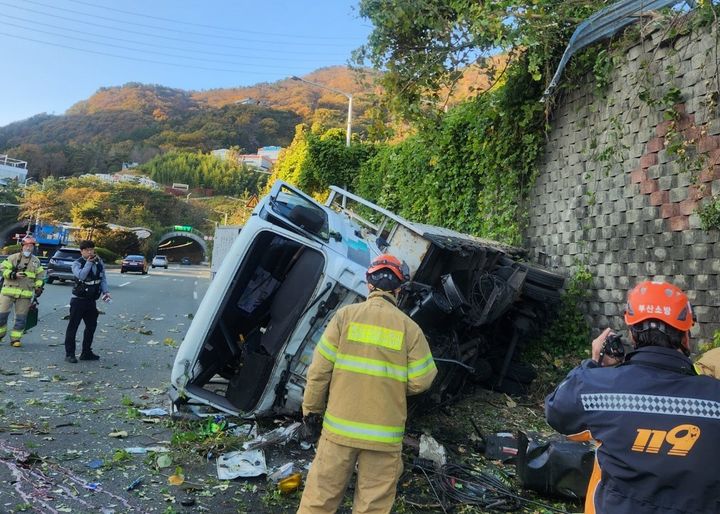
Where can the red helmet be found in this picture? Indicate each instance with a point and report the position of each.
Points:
(28, 240)
(392, 263)
(661, 301)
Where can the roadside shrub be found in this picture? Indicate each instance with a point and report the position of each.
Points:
(106, 255)
(566, 341)
(10, 249)
(120, 242)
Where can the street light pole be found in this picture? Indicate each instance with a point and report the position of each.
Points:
(349, 96)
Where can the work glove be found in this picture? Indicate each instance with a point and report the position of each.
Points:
(38, 292)
(13, 275)
(311, 428)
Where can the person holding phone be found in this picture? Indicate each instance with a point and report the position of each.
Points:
(23, 278)
(90, 285)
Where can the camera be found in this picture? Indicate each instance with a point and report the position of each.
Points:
(613, 347)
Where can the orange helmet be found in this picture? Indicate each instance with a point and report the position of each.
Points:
(660, 301)
(28, 240)
(392, 263)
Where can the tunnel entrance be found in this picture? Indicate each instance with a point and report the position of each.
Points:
(177, 245)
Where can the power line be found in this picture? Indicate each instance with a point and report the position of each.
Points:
(164, 54)
(155, 45)
(136, 59)
(146, 34)
(157, 27)
(214, 27)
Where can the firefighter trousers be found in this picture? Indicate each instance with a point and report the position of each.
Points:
(22, 306)
(377, 476)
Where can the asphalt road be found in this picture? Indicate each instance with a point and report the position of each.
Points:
(64, 413)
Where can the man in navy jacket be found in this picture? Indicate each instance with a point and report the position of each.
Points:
(657, 423)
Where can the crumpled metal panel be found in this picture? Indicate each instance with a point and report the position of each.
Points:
(603, 24)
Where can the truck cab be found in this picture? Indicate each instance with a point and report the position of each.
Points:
(296, 261)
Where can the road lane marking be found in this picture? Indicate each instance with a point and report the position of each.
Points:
(124, 284)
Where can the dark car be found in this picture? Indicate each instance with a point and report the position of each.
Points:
(60, 265)
(185, 260)
(134, 263)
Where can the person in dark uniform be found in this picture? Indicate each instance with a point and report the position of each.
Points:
(657, 423)
(90, 285)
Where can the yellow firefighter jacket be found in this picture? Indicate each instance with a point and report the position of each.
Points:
(370, 358)
(22, 287)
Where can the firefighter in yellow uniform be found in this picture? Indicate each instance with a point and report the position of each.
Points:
(369, 359)
(23, 277)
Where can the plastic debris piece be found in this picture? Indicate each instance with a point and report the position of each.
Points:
(135, 483)
(142, 450)
(430, 449)
(280, 435)
(176, 479)
(156, 411)
(163, 461)
(95, 464)
(119, 434)
(93, 486)
(241, 464)
(283, 471)
(290, 484)
(246, 430)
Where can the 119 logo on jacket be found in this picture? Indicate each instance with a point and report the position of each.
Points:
(681, 438)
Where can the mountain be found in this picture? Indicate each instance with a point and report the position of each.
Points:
(135, 122)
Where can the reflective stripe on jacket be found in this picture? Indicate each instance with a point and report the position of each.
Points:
(22, 287)
(370, 358)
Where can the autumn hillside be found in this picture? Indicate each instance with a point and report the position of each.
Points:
(135, 122)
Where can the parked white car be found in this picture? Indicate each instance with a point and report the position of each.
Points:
(160, 261)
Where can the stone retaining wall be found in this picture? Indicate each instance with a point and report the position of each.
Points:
(612, 196)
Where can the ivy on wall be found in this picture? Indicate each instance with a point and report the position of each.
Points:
(471, 171)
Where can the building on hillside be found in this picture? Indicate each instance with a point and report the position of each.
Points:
(258, 162)
(262, 161)
(12, 169)
(271, 152)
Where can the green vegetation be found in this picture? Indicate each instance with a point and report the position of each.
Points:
(90, 203)
(567, 339)
(205, 171)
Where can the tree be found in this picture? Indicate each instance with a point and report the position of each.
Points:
(91, 216)
(427, 45)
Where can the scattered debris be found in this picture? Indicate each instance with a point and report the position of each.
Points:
(157, 411)
(142, 450)
(241, 464)
(283, 471)
(433, 451)
(290, 484)
(119, 434)
(280, 435)
(92, 486)
(95, 464)
(556, 466)
(164, 461)
(176, 479)
(135, 484)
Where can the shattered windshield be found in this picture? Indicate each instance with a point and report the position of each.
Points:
(301, 212)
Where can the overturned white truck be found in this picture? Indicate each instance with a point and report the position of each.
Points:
(297, 261)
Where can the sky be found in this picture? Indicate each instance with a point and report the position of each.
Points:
(58, 52)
